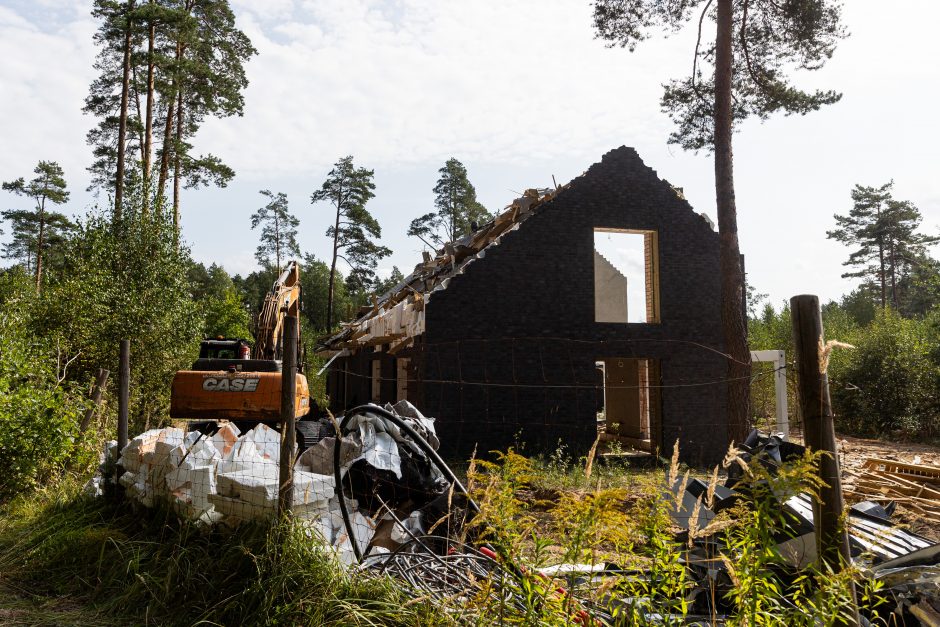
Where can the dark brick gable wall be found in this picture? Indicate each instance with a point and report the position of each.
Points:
(517, 328)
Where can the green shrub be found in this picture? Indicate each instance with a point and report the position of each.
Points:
(889, 382)
(131, 282)
(38, 412)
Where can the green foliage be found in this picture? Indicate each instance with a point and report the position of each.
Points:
(889, 383)
(315, 278)
(126, 281)
(256, 285)
(223, 304)
(456, 208)
(888, 250)
(769, 40)
(354, 231)
(278, 231)
(39, 414)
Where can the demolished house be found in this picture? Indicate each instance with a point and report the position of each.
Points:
(526, 330)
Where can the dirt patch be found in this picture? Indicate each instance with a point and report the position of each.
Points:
(854, 451)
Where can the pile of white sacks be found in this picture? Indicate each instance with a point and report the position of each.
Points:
(230, 477)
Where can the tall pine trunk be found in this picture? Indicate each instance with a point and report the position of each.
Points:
(881, 261)
(122, 119)
(176, 163)
(168, 128)
(40, 241)
(148, 129)
(329, 297)
(732, 275)
(894, 277)
(277, 243)
(165, 153)
(140, 115)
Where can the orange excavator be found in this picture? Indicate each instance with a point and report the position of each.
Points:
(242, 384)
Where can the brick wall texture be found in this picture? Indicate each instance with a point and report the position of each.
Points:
(517, 328)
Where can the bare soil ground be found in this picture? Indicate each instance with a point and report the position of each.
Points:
(854, 451)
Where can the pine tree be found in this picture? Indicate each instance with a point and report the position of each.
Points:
(109, 98)
(207, 80)
(348, 189)
(456, 208)
(756, 42)
(40, 228)
(163, 64)
(278, 231)
(887, 245)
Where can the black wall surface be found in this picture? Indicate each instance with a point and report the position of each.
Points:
(509, 351)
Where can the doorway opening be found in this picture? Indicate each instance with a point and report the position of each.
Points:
(631, 414)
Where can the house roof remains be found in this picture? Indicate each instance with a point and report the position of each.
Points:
(397, 317)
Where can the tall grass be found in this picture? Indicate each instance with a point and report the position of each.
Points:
(127, 568)
(150, 568)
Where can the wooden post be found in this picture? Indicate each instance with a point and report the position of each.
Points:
(124, 393)
(288, 399)
(101, 380)
(832, 541)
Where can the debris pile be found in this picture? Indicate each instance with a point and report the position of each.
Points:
(914, 486)
(397, 318)
(907, 564)
(392, 484)
(227, 477)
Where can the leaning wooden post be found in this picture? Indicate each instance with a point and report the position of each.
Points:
(288, 409)
(832, 541)
(124, 393)
(101, 380)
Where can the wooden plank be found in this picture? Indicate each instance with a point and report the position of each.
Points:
(903, 485)
(913, 471)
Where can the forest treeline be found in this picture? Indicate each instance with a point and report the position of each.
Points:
(889, 383)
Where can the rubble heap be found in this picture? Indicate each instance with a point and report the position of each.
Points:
(228, 477)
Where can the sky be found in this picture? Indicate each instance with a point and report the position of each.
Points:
(520, 92)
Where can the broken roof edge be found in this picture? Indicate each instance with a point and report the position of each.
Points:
(433, 275)
(452, 259)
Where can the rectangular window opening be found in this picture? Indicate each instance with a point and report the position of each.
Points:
(626, 276)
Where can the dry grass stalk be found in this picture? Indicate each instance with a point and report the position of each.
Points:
(589, 464)
(710, 495)
(674, 465)
(730, 569)
(715, 526)
(693, 519)
(680, 489)
(733, 456)
(825, 350)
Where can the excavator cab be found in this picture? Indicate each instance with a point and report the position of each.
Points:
(225, 348)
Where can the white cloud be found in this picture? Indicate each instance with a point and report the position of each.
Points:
(44, 78)
(415, 81)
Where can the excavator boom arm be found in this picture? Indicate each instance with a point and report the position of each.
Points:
(282, 300)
